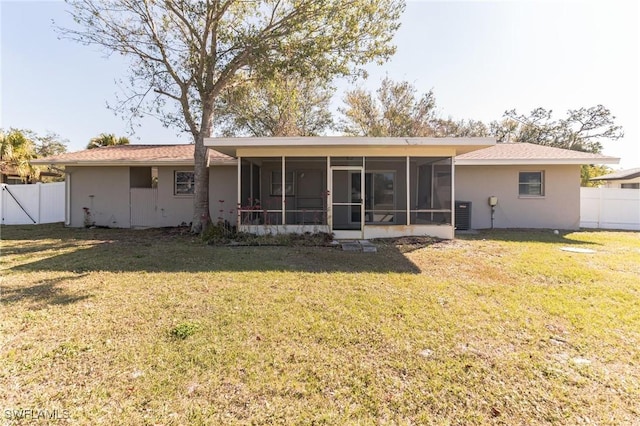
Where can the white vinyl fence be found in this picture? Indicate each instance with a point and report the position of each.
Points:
(31, 204)
(610, 208)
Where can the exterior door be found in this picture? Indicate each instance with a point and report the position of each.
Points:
(347, 202)
(144, 206)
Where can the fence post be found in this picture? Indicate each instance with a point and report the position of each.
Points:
(2, 203)
(39, 186)
(600, 202)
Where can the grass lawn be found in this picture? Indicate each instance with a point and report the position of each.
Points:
(153, 327)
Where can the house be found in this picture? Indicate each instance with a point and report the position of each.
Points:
(11, 176)
(354, 187)
(127, 186)
(625, 179)
(536, 186)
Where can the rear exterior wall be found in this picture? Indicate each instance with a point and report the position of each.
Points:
(174, 210)
(171, 209)
(105, 192)
(559, 208)
(223, 193)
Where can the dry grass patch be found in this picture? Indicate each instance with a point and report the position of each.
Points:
(152, 327)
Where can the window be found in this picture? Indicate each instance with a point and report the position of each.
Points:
(531, 184)
(184, 183)
(276, 183)
(630, 185)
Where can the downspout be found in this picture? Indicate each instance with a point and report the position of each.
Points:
(67, 194)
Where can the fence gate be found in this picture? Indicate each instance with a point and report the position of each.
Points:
(144, 207)
(32, 204)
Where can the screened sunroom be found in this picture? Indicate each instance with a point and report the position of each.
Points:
(351, 187)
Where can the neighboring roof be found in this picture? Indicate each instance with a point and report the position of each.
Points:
(527, 153)
(132, 155)
(621, 175)
(8, 170)
(230, 145)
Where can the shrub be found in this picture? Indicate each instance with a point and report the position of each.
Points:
(218, 233)
(217, 236)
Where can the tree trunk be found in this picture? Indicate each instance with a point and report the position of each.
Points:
(201, 217)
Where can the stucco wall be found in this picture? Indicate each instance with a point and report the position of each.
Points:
(223, 186)
(559, 208)
(104, 191)
(618, 183)
(172, 210)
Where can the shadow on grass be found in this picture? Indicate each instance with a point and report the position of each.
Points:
(34, 247)
(524, 235)
(175, 250)
(44, 293)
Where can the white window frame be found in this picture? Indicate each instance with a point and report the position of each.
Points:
(191, 183)
(542, 184)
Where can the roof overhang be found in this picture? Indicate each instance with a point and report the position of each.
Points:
(230, 146)
(532, 161)
(630, 176)
(112, 163)
(133, 163)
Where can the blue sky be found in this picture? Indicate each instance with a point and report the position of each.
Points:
(480, 58)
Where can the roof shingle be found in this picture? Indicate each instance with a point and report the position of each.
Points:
(620, 175)
(119, 154)
(519, 153)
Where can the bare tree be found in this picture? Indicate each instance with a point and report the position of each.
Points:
(282, 105)
(582, 129)
(185, 52)
(395, 110)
